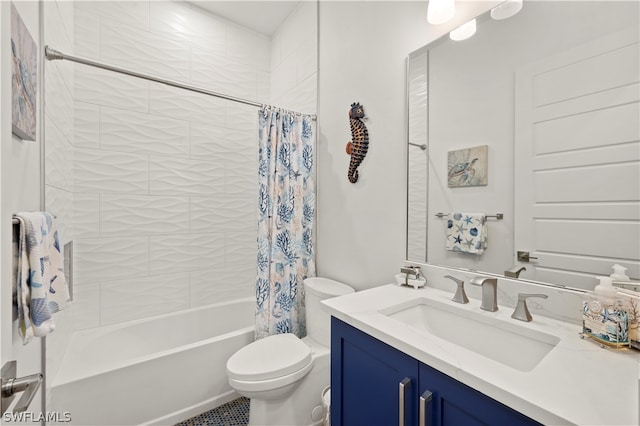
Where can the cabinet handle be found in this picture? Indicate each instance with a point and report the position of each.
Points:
(404, 385)
(425, 398)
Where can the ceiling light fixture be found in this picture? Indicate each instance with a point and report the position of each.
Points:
(506, 10)
(464, 31)
(440, 11)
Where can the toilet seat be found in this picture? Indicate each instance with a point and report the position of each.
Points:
(275, 358)
(269, 384)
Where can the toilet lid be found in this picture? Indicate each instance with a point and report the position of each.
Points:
(268, 358)
(326, 288)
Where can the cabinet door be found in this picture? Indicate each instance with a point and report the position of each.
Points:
(456, 404)
(365, 380)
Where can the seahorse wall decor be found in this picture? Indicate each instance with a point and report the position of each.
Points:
(359, 144)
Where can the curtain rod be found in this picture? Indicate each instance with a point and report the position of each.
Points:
(52, 55)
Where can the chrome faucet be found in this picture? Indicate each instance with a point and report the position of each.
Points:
(489, 292)
(514, 271)
(522, 312)
(460, 296)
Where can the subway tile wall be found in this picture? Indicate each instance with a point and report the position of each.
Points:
(165, 179)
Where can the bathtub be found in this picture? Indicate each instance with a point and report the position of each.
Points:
(156, 371)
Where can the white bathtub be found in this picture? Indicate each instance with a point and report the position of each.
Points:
(159, 370)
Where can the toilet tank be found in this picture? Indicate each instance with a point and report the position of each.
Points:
(318, 320)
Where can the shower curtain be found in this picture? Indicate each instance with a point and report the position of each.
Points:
(286, 210)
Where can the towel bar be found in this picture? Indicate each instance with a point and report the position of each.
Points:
(498, 216)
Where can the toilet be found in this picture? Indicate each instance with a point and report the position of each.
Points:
(283, 375)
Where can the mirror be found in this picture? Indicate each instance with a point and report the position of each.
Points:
(553, 93)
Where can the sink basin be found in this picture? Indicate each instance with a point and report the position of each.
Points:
(506, 342)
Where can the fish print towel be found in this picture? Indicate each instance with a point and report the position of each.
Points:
(467, 232)
(41, 286)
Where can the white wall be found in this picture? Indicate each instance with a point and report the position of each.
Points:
(164, 178)
(361, 226)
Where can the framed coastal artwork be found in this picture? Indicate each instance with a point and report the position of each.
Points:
(24, 79)
(467, 167)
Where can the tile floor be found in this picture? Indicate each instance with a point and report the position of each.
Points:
(233, 413)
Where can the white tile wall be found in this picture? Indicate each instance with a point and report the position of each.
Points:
(165, 179)
(126, 131)
(129, 299)
(106, 88)
(294, 60)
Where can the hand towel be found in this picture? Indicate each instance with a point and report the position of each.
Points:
(41, 285)
(467, 232)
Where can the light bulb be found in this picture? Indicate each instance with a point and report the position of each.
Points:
(506, 10)
(440, 11)
(464, 31)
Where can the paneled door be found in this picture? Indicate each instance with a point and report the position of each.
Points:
(577, 162)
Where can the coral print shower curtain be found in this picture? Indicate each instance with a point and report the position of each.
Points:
(285, 221)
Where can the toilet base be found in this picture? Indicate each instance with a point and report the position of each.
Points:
(296, 408)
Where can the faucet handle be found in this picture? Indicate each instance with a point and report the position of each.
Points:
(522, 311)
(460, 296)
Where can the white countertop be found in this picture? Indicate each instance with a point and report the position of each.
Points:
(578, 382)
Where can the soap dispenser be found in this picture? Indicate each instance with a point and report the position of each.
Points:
(604, 318)
(619, 273)
(605, 291)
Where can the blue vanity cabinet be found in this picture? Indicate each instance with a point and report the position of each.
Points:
(455, 404)
(366, 388)
(366, 377)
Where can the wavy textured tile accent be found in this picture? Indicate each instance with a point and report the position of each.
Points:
(219, 143)
(86, 30)
(224, 75)
(307, 59)
(239, 182)
(60, 203)
(302, 97)
(143, 215)
(417, 183)
(86, 125)
(263, 90)
(56, 32)
(223, 214)
(143, 133)
(111, 89)
(184, 105)
(58, 100)
(186, 252)
(143, 51)
(248, 47)
(98, 171)
(178, 20)
(58, 158)
(242, 248)
(86, 215)
(110, 258)
(417, 223)
(221, 284)
(185, 177)
(135, 13)
(244, 117)
(126, 300)
(86, 306)
(283, 76)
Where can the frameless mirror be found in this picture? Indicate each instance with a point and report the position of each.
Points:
(553, 93)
